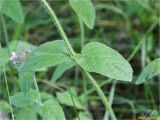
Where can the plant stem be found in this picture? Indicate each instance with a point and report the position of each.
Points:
(74, 103)
(58, 25)
(83, 77)
(5, 33)
(101, 94)
(37, 89)
(138, 46)
(111, 96)
(5, 77)
(92, 80)
(82, 32)
(101, 84)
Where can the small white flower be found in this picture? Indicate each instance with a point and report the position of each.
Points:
(13, 56)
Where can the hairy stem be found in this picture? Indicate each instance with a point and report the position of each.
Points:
(58, 25)
(90, 78)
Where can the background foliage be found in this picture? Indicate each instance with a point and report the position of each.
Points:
(130, 27)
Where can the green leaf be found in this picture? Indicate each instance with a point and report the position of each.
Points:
(85, 10)
(24, 100)
(18, 46)
(4, 107)
(97, 57)
(61, 69)
(26, 114)
(13, 9)
(145, 4)
(154, 113)
(65, 98)
(26, 79)
(51, 110)
(151, 70)
(46, 55)
(4, 110)
(3, 57)
(1, 2)
(84, 116)
(46, 96)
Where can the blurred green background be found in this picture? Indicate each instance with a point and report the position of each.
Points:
(125, 25)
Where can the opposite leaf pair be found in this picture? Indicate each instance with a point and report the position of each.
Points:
(95, 57)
